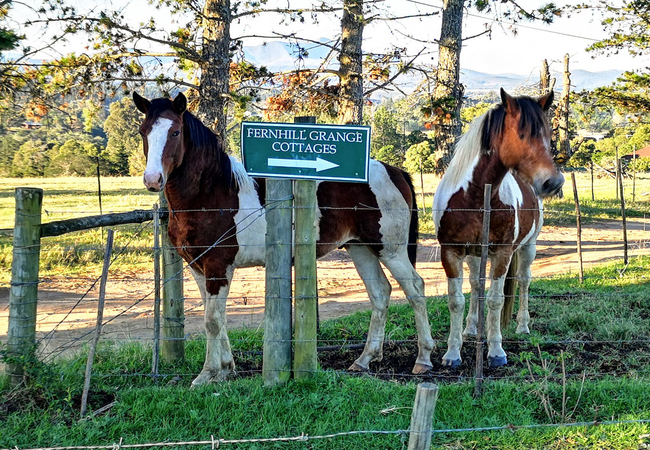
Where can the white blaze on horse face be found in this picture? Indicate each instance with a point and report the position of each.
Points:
(154, 174)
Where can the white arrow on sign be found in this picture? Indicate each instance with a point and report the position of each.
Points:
(320, 164)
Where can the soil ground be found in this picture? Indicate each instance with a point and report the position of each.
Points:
(65, 315)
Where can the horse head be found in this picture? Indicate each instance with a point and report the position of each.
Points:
(162, 136)
(521, 135)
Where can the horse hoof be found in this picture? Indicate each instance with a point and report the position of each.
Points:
(419, 368)
(454, 363)
(209, 377)
(357, 368)
(522, 330)
(470, 332)
(497, 361)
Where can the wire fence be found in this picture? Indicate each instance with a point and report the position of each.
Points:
(67, 302)
(216, 442)
(67, 308)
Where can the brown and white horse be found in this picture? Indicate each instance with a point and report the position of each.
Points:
(508, 147)
(217, 224)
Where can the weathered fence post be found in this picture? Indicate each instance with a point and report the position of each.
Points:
(620, 186)
(156, 288)
(578, 225)
(173, 300)
(98, 323)
(424, 407)
(23, 295)
(305, 361)
(276, 359)
(478, 377)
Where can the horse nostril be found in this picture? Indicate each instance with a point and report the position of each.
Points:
(152, 189)
(552, 185)
(160, 180)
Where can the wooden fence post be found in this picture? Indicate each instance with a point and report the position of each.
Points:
(276, 359)
(478, 377)
(424, 407)
(305, 361)
(578, 226)
(156, 301)
(23, 295)
(623, 215)
(98, 323)
(173, 300)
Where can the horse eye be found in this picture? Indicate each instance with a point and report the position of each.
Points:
(522, 136)
(176, 133)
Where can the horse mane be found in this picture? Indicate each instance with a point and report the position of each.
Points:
(466, 154)
(205, 141)
(532, 122)
(484, 134)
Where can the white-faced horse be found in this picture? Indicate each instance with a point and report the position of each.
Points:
(215, 206)
(509, 148)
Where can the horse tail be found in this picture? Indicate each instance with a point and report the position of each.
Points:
(414, 225)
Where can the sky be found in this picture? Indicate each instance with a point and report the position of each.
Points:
(500, 52)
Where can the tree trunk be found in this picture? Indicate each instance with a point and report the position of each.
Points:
(448, 94)
(350, 59)
(546, 85)
(215, 66)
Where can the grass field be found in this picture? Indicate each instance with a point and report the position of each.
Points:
(543, 385)
(606, 321)
(600, 329)
(82, 251)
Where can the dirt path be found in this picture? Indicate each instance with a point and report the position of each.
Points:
(341, 292)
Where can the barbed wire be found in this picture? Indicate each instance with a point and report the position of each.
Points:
(215, 443)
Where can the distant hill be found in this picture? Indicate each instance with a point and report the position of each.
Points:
(278, 56)
(580, 80)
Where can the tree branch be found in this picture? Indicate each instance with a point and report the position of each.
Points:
(404, 68)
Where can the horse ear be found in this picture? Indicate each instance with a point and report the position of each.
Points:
(179, 104)
(509, 103)
(141, 103)
(545, 101)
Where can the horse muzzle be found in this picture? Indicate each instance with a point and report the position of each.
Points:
(551, 186)
(154, 183)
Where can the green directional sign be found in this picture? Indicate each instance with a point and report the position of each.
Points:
(306, 151)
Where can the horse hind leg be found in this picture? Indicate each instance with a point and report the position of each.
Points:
(379, 290)
(219, 362)
(524, 277)
(413, 286)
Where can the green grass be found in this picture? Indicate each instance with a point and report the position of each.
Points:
(612, 304)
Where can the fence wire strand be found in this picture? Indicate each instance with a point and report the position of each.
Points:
(216, 442)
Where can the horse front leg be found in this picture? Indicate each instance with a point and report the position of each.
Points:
(219, 362)
(452, 262)
(494, 302)
(471, 322)
(524, 276)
